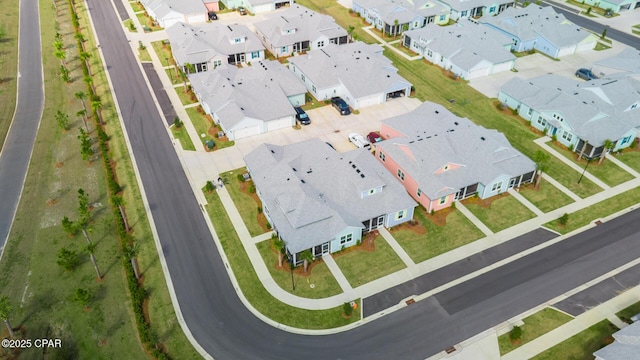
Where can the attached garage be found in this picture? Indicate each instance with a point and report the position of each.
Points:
(505, 66)
(196, 18)
(567, 50)
(588, 45)
(481, 70)
(240, 133)
(280, 123)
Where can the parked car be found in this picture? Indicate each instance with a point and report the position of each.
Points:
(242, 10)
(213, 15)
(585, 74)
(374, 137)
(302, 116)
(340, 105)
(359, 140)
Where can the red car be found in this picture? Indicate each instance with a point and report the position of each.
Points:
(374, 137)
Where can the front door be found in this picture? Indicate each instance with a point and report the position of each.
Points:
(325, 248)
(512, 183)
(380, 221)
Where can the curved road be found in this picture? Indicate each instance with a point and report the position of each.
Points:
(222, 325)
(16, 153)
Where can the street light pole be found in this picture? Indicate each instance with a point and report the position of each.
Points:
(584, 170)
(293, 285)
(170, 74)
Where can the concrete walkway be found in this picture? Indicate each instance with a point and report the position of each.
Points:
(389, 45)
(469, 215)
(337, 273)
(525, 202)
(396, 247)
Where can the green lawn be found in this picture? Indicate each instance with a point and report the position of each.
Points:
(604, 208)
(147, 23)
(129, 25)
(205, 126)
(163, 51)
(546, 197)
(582, 345)
(503, 213)
(252, 287)
(534, 326)
(600, 46)
(8, 60)
(39, 290)
(182, 135)
(456, 95)
(136, 6)
(631, 159)
(246, 205)
(319, 284)
(342, 17)
(185, 97)
(626, 313)
(175, 79)
(143, 55)
(610, 173)
(361, 267)
(438, 239)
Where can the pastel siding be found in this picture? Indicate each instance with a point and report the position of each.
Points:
(388, 132)
(356, 235)
(399, 217)
(495, 187)
(297, 100)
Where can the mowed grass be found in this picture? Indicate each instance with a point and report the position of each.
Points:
(602, 209)
(201, 123)
(534, 326)
(246, 205)
(432, 84)
(182, 135)
(582, 345)
(631, 159)
(159, 305)
(163, 51)
(437, 240)
(610, 173)
(546, 197)
(341, 16)
(503, 213)
(626, 313)
(8, 64)
(253, 289)
(361, 267)
(320, 283)
(40, 291)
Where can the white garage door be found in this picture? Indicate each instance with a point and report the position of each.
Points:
(476, 73)
(369, 100)
(196, 18)
(506, 66)
(586, 46)
(280, 123)
(568, 50)
(246, 132)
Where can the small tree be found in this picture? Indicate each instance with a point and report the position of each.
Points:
(118, 201)
(96, 106)
(91, 248)
(177, 122)
(84, 214)
(83, 115)
(131, 251)
(85, 56)
(68, 259)
(63, 120)
(604, 33)
(61, 55)
(607, 147)
(541, 158)
(5, 311)
(347, 309)
(64, 74)
(562, 220)
(515, 334)
(280, 248)
(69, 227)
(209, 187)
(307, 257)
(85, 145)
(83, 297)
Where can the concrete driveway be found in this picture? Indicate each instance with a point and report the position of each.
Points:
(326, 124)
(536, 64)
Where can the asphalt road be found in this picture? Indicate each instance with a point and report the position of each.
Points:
(227, 330)
(18, 146)
(161, 95)
(596, 27)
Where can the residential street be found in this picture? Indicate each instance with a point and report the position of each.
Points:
(17, 149)
(226, 329)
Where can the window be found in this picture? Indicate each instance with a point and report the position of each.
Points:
(415, 24)
(463, 14)
(302, 77)
(530, 112)
(492, 9)
(372, 191)
(382, 156)
(419, 192)
(320, 43)
(255, 55)
(541, 121)
(625, 140)
(400, 174)
(401, 214)
(283, 49)
(429, 53)
(634, 106)
(441, 58)
(497, 186)
(443, 200)
(442, 17)
(313, 88)
(567, 135)
(345, 239)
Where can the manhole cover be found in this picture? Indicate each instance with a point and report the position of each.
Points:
(312, 286)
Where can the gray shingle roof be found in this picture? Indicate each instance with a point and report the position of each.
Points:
(465, 45)
(627, 60)
(196, 44)
(360, 67)
(259, 91)
(595, 110)
(306, 25)
(163, 7)
(460, 5)
(435, 137)
(313, 192)
(626, 346)
(402, 10)
(533, 21)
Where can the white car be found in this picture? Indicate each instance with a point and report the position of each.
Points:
(359, 140)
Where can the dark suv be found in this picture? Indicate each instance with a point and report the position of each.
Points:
(302, 116)
(340, 105)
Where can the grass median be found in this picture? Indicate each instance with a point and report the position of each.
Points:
(253, 289)
(534, 326)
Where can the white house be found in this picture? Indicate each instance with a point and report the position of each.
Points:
(540, 28)
(210, 45)
(251, 100)
(357, 72)
(169, 12)
(257, 6)
(298, 29)
(468, 50)
(395, 16)
(461, 9)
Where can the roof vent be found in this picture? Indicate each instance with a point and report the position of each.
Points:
(302, 181)
(455, 123)
(482, 138)
(309, 171)
(362, 176)
(358, 171)
(294, 169)
(437, 112)
(353, 166)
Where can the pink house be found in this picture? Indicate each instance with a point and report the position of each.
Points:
(441, 158)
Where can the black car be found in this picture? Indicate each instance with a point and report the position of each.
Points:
(585, 74)
(213, 15)
(340, 105)
(302, 116)
(242, 10)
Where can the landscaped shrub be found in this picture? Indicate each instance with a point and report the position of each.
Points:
(562, 220)
(347, 309)
(515, 334)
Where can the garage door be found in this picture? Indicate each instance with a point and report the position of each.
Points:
(586, 46)
(246, 132)
(505, 66)
(566, 51)
(280, 123)
(476, 73)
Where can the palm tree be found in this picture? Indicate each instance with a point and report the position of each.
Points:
(541, 158)
(96, 106)
(607, 147)
(395, 28)
(85, 56)
(91, 248)
(89, 81)
(83, 115)
(82, 96)
(5, 310)
(307, 257)
(61, 55)
(118, 201)
(280, 248)
(84, 215)
(584, 147)
(131, 251)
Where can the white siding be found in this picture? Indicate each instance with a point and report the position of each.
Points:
(281, 123)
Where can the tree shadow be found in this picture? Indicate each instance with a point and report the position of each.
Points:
(6, 79)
